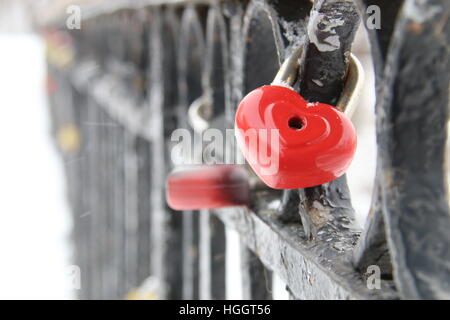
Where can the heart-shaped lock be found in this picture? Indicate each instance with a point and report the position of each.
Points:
(291, 143)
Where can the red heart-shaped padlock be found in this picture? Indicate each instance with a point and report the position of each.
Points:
(291, 143)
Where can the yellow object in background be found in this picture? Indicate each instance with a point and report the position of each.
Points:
(149, 290)
(68, 138)
(59, 56)
(137, 294)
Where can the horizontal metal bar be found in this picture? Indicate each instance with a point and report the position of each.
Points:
(312, 269)
(94, 9)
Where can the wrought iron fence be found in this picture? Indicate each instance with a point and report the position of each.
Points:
(123, 82)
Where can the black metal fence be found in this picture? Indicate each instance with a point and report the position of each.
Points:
(122, 83)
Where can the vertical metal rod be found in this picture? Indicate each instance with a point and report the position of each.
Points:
(256, 279)
(131, 218)
(218, 245)
(205, 256)
(94, 261)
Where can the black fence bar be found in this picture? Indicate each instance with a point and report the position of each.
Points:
(256, 279)
(413, 176)
(212, 268)
(144, 176)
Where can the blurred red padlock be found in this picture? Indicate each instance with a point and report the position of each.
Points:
(207, 187)
(50, 85)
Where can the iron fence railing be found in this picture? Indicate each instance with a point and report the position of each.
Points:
(123, 82)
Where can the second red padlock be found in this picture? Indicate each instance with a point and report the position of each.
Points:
(207, 187)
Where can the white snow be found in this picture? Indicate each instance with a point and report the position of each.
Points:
(34, 218)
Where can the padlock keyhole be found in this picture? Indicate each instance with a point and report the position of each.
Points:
(295, 123)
